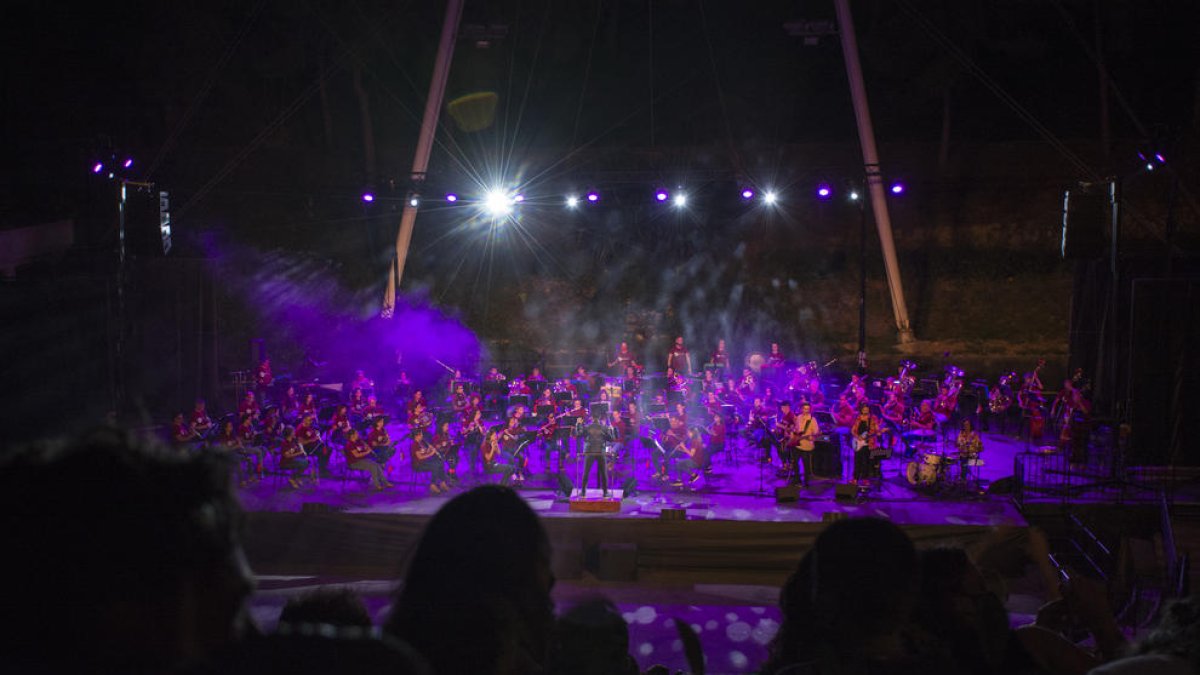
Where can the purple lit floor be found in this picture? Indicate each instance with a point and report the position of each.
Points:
(732, 491)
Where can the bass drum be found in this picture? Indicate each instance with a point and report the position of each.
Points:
(920, 473)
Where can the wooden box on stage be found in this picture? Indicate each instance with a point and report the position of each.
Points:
(595, 505)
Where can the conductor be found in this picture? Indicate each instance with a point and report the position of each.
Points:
(595, 436)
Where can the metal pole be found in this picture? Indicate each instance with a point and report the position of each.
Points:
(433, 106)
(862, 286)
(866, 135)
(120, 369)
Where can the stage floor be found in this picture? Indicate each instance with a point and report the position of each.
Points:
(741, 490)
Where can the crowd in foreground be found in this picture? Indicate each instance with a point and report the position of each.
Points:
(127, 558)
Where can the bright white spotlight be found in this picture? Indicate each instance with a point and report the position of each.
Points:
(770, 197)
(854, 195)
(572, 201)
(497, 204)
(680, 200)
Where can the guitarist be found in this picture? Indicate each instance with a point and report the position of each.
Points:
(865, 431)
(444, 445)
(804, 433)
(784, 427)
(426, 458)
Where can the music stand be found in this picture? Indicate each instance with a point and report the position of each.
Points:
(599, 411)
(544, 411)
(674, 396)
(519, 399)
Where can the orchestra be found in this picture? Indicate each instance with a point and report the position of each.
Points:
(682, 419)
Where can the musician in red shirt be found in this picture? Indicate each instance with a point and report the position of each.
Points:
(443, 443)
(372, 410)
(473, 431)
(674, 442)
(361, 381)
(624, 359)
(292, 456)
(720, 358)
(511, 441)
(716, 435)
(263, 377)
(307, 406)
(380, 441)
(200, 422)
(358, 403)
(679, 359)
(775, 358)
(248, 406)
(182, 435)
(339, 424)
(360, 457)
(310, 441)
(535, 375)
(250, 446)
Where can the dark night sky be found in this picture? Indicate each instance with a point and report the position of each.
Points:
(79, 80)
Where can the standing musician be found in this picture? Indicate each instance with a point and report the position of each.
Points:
(969, 446)
(443, 443)
(678, 358)
(720, 358)
(292, 456)
(361, 381)
(494, 375)
(865, 431)
(200, 422)
(595, 436)
(804, 432)
(785, 426)
(494, 459)
(263, 377)
(426, 458)
(775, 358)
(709, 384)
(380, 442)
(631, 383)
(623, 360)
(473, 432)
(360, 457)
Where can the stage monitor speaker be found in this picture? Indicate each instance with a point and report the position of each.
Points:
(845, 492)
(787, 493)
(1086, 218)
(629, 487)
(1003, 486)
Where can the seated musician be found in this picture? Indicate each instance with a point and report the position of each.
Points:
(380, 442)
(426, 458)
(969, 446)
(815, 395)
(535, 375)
(358, 403)
(252, 442)
(417, 398)
(201, 423)
(865, 431)
(709, 384)
(306, 406)
(227, 438)
(857, 391)
(443, 442)
(290, 400)
(843, 411)
(804, 432)
(693, 458)
(731, 395)
(292, 456)
(403, 384)
(419, 418)
(372, 410)
(748, 385)
(458, 399)
(620, 429)
(182, 434)
(512, 442)
(309, 438)
(674, 442)
(893, 407)
(248, 405)
(494, 375)
(681, 412)
(360, 457)
(596, 435)
(925, 419)
(518, 387)
(546, 399)
(339, 424)
(494, 459)
(633, 421)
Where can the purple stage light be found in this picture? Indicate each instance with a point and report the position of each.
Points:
(97, 167)
(128, 162)
(661, 195)
(897, 188)
(747, 194)
(824, 191)
(593, 197)
(1160, 158)
(368, 197)
(451, 197)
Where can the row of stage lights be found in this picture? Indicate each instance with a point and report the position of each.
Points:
(498, 202)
